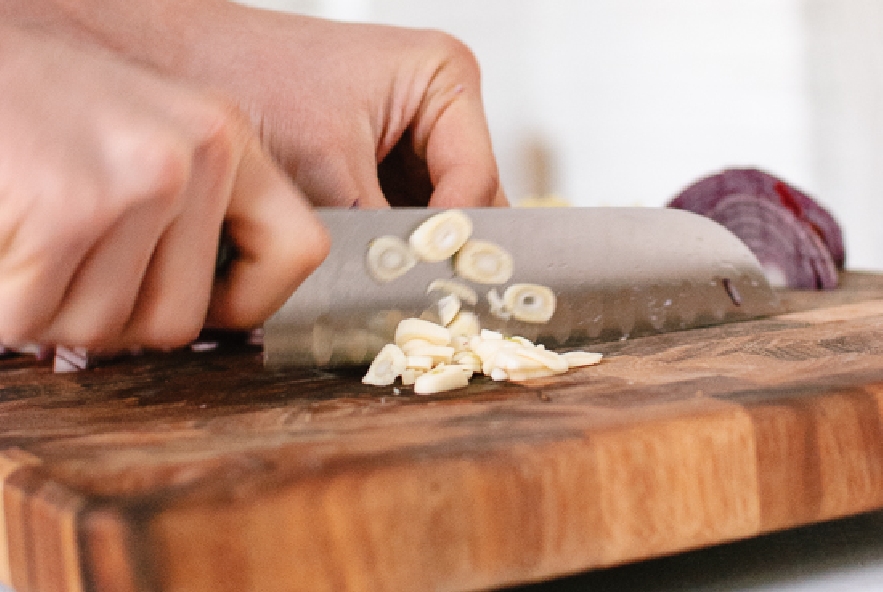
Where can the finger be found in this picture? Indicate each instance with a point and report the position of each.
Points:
(460, 157)
(278, 242)
(39, 257)
(344, 178)
(174, 294)
(103, 291)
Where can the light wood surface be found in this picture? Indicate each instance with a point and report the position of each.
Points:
(204, 472)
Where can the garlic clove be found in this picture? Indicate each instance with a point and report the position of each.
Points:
(388, 258)
(483, 262)
(442, 235)
(530, 303)
(388, 365)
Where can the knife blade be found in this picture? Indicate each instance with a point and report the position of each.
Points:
(616, 273)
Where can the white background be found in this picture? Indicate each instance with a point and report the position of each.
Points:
(631, 100)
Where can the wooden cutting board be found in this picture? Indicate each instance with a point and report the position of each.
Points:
(202, 472)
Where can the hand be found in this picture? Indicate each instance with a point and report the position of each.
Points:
(333, 101)
(356, 114)
(114, 186)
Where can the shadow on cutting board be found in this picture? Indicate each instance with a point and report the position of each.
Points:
(844, 555)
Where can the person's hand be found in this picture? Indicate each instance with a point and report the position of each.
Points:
(334, 100)
(335, 103)
(114, 186)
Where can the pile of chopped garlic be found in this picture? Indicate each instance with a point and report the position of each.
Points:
(434, 359)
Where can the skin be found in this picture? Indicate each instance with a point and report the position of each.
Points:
(147, 130)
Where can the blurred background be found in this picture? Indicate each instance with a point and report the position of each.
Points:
(625, 102)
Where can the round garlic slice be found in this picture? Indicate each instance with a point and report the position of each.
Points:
(389, 257)
(496, 305)
(530, 303)
(483, 262)
(442, 235)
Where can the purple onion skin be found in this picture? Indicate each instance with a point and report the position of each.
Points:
(703, 196)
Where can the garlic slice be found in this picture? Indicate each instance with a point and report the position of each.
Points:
(465, 324)
(530, 374)
(410, 375)
(483, 262)
(421, 363)
(386, 367)
(409, 347)
(439, 354)
(530, 303)
(448, 307)
(577, 359)
(410, 329)
(442, 235)
(549, 359)
(496, 305)
(389, 257)
(440, 379)
(462, 291)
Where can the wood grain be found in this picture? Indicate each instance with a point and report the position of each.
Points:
(204, 472)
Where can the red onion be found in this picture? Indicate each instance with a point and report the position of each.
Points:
(797, 241)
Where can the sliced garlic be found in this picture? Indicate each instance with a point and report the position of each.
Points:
(409, 347)
(491, 335)
(530, 374)
(442, 235)
(439, 354)
(576, 359)
(421, 363)
(440, 379)
(530, 303)
(483, 262)
(386, 367)
(462, 291)
(465, 324)
(498, 375)
(410, 375)
(469, 360)
(549, 359)
(448, 307)
(496, 305)
(389, 257)
(410, 329)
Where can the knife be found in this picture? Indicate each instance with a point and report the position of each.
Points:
(615, 273)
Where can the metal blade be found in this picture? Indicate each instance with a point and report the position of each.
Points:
(616, 272)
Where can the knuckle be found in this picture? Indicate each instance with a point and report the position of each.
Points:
(455, 49)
